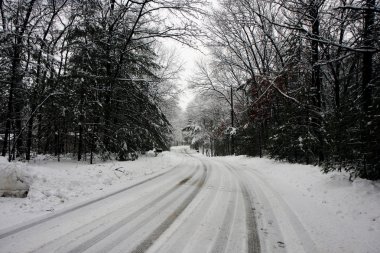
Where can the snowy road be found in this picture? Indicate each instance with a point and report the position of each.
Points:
(200, 205)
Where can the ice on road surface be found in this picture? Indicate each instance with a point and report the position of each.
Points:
(182, 201)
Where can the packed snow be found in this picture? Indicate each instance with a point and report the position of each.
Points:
(338, 215)
(298, 208)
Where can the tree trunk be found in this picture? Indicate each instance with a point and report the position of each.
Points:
(316, 82)
(29, 137)
(80, 142)
(6, 140)
(15, 103)
(39, 133)
(368, 40)
(232, 122)
(368, 145)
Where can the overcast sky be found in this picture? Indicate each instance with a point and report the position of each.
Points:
(189, 56)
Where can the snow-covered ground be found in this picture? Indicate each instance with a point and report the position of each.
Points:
(58, 185)
(297, 208)
(334, 214)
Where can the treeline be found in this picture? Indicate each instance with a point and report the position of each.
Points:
(83, 77)
(300, 79)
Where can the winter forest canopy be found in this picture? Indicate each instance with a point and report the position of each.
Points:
(88, 76)
(294, 80)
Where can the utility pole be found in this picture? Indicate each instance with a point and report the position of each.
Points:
(204, 134)
(232, 122)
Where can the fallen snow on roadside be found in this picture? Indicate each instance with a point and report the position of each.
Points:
(338, 215)
(57, 185)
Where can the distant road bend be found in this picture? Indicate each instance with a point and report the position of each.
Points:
(201, 205)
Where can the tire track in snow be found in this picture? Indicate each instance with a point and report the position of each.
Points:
(105, 233)
(145, 222)
(144, 245)
(85, 204)
(86, 229)
(253, 244)
(179, 235)
(281, 217)
(305, 240)
(253, 235)
(269, 214)
(221, 241)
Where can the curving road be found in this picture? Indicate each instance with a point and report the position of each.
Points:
(201, 205)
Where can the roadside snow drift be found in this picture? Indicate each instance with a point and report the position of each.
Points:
(53, 185)
(14, 180)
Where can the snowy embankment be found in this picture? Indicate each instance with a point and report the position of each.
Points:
(58, 185)
(336, 215)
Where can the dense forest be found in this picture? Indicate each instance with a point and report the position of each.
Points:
(88, 77)
(293, 80)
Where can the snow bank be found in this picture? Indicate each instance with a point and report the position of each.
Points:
(14, 179)
(56, 185)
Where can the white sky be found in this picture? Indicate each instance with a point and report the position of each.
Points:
(189, 57)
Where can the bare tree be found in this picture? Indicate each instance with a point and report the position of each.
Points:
(15, 105)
